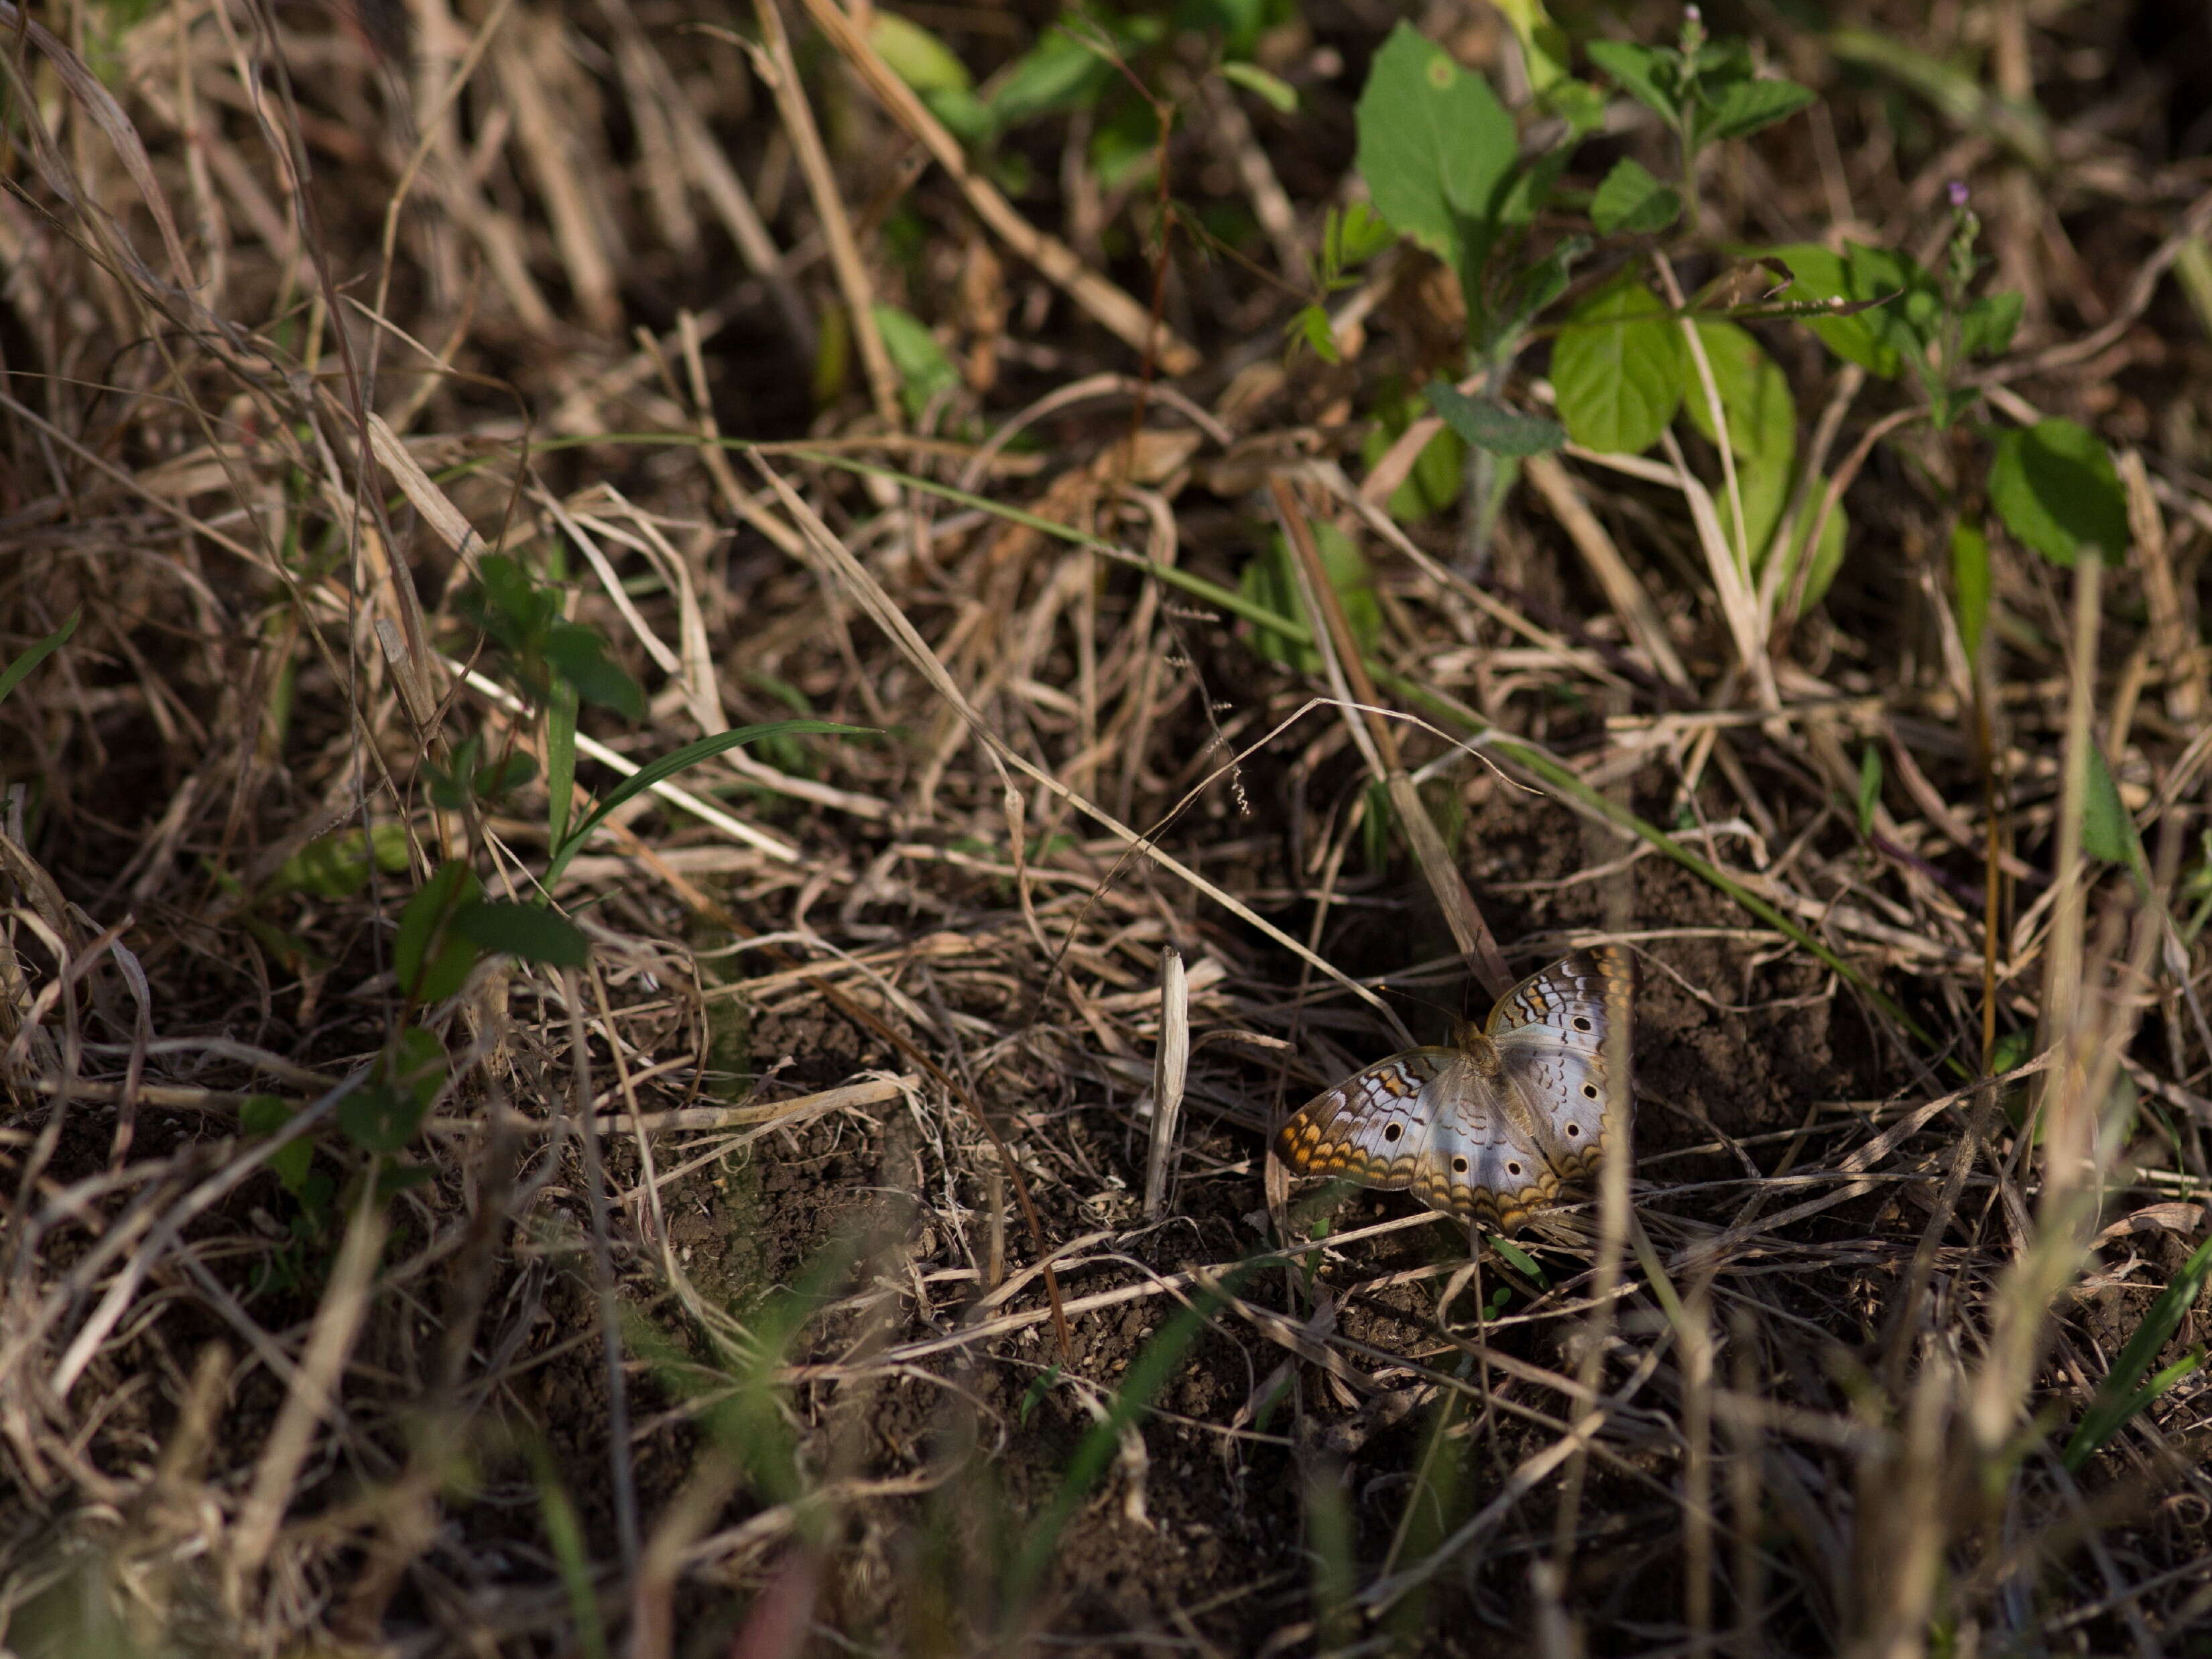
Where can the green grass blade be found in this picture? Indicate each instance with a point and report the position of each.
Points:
(13, 675)
(2122, 1392)
(675, 761)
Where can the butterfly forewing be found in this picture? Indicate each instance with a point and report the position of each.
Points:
(1369, 1127)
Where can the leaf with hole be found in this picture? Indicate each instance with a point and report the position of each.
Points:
(1617, 369)
(2055, 486)
(1436, 147)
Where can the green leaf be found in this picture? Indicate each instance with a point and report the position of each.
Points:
(2108, 833)
(915, 56)
(1644, 73)
(1617, 369)
(2054, 486)
(1578, 103)
(965, 116)
(1762, 423)
(579, 654)
(335, 866)
(2124, 1393)
(524, 931)
(383, 1114)
(1489, 425)
(1869, 788)
(1058, 73)
(13, 675)
(1748, 106)
(1269, 580)
(1827, 560)
(1519, 1259)
(429, 963)
(1869, 337)
(1986, 327)
(265, 1115)
(925, 373)
(1354, 235)
(566, 847)
(1436, 147)
(1631, 201)
(1544, 46)
(1279, 92)
(1970, 579)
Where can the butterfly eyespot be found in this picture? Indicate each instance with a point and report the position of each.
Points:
(1392, 1133)
(1582, 1022)
(1459, 1166)
(1574, 1131)
(1590, 1090)
(1513, 1168)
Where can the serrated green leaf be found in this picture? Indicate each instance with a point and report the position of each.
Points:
(1633, 203)
(1644, 73)
(1617, 370)
(524, 931)
(1436, 147)
(1748, 106)
(14, 673)
(1970, 580)
(1875, 338)
(1279, 93)
(2054, 485)
(1489, 425)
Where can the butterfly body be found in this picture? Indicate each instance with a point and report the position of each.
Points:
(1499, 1122)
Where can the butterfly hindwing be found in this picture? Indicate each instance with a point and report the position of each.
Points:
(1558, 1035)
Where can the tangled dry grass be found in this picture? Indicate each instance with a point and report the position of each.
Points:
(823, 1267)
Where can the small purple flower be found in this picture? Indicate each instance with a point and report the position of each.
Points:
(1957, 193)
(1691, 15)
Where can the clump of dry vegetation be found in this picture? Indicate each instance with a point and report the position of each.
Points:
(704, 709)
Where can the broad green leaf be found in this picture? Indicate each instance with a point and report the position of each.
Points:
(965, 116)
(2054, 486)
(1748, 106)
(1762, 423)
(1519, 1259)
(1279, 92)
(524, 931)
(13, 675)
(429, 963)
(1869, 788)
(565, 848)
(2124, 1391)
(1436, 146)
(1578, 103)
(1970, 579)
(1618, 370)
(916, 56)
(1489, 425)
(925, 373)
(1645, 73)
(1632, 201)
(1871, 338)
